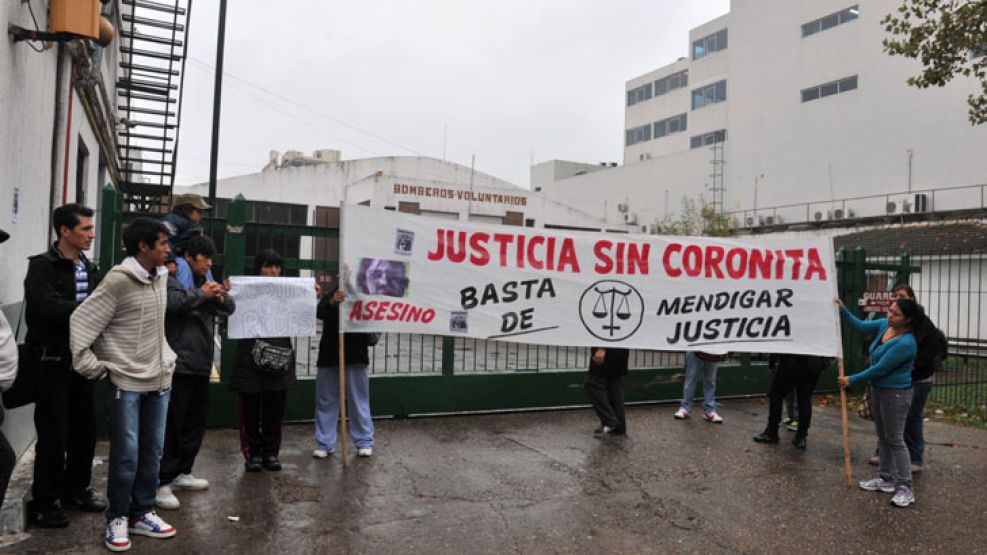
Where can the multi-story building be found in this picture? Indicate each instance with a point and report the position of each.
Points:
(784, 103)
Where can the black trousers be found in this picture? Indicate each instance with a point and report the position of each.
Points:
(607, 395)
(65, 420)
(188, 414)
(261, 416)
(7, 461)
(803, 380)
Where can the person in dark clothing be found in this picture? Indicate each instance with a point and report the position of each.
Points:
(605, 386)
(8, 373)
(800, 372)
(263, 390)
(932, 346)
(57, 281)
(357, 361)
(189, 326)
(184, 221)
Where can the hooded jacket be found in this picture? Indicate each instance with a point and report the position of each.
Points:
(120, 329)
(189, 325)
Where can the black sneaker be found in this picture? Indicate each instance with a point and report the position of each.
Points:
(799, 442)
(272, 463)
(254, 464)
(86, 501)
(767, 438)
(51, 516)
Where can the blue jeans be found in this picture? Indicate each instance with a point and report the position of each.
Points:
(693, 367)
(136, 422)
(357, 401)
(914, 438)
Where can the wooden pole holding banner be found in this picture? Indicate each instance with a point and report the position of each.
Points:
(847, 469)
(343, 424)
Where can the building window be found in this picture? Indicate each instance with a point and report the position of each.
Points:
(829, 89)
(672, 82)
(638, 135)
(707, 139)
(709, 94)
(639, 94)
(674, 124)
(830, 21)
(709, 44)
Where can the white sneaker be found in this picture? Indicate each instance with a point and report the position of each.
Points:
(713, 417)
(151, 525)
(903, 497)
(165, 498)
(116, 538)
(323, 453)
(877, 484)
(364, 452)
(681, 414)
(189, 482)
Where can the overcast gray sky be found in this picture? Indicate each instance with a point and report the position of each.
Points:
(509, 81)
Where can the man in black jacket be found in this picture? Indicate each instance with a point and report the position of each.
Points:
(57, 281)
(189, 323)
(357, 360)
(604, 384)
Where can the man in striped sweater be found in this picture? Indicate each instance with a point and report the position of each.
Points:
(119, 330)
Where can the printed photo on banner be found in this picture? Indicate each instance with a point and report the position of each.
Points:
(377, 276)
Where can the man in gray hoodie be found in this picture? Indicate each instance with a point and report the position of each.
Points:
(119, 330)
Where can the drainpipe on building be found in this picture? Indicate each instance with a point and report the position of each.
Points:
(68, 139)
(54, 133)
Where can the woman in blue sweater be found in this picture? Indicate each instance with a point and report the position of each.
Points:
(892, 355)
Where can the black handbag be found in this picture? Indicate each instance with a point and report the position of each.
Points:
(271, 359)
(24, 391)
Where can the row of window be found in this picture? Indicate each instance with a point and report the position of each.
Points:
(667, 126)
(709, 94)
(660, 86)
(637, 135)
(829, 89)
(830, 21)
(708, 138)
(709, 44)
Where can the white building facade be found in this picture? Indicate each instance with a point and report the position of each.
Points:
(787, 110)
(420, 185)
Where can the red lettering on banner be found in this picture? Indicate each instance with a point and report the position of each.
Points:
(391, 311)
(711, 261)
(666, 260)
(605, 264)
(456, 246)
(714, 255)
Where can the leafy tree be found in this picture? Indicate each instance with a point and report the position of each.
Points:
(697, 218)
(950, 39)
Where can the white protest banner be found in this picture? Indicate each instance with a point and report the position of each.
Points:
(272, 307)
(406, 273)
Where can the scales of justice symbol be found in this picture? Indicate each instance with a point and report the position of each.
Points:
(616, 310)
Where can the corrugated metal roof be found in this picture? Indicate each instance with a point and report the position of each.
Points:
(919, 240)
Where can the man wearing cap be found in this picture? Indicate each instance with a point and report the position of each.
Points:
(8, 371)
(57, 282)
(184, 223)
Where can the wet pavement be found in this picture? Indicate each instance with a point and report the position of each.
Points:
(540, 482)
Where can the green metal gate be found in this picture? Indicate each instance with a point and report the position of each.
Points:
(414, 374)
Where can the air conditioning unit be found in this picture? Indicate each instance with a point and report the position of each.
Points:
(837, 214)
(622, 207)
(630, 218)
(772, 220)
(921, 203)
(818, 216)
(899, 207)
(753, 221)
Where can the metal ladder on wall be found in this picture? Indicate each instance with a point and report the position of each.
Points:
(149, 93)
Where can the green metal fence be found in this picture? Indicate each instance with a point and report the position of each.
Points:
(425, 374)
